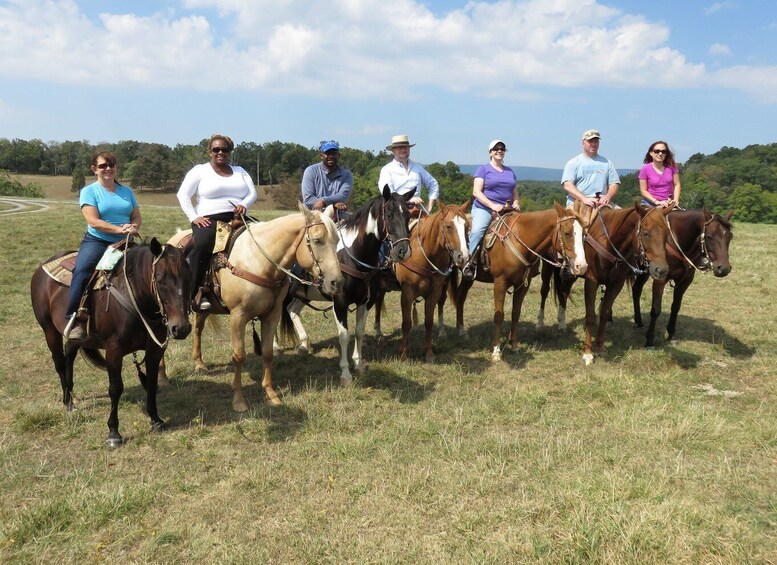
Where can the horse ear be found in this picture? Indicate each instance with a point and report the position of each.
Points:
(155, 247)
(329, 212)
(728, 215)
(465, 206)
(443, 207)
(386, 192)
(305, 212)
(560, 210)
(407, 196)
(640, 210)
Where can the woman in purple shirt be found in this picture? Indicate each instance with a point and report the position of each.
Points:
(494, 189)
(659, 178)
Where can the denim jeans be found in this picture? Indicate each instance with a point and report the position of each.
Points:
(480, 220)
(89, 254)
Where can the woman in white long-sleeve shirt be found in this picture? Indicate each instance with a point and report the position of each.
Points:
(221, 191)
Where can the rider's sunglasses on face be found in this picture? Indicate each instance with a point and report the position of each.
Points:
(218, 150)
(659, 151)
(106, 165)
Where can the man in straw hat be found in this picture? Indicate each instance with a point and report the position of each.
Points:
(403, 175)
(590, 174)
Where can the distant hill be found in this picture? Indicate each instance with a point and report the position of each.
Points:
(534, 173)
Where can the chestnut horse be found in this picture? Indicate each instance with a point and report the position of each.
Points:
(382, 219)
(145, 299)
(255, 281)
(438, 242)
(619, 242)
(523, 240)
(698, 241)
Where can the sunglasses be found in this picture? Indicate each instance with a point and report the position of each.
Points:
(659, 151)
(106, 165)
(503, 149)
(219, 150)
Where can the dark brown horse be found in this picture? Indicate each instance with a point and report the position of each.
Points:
(619, 242)
(523, 241)
(698, 241)
(437, 243)
(145, 300)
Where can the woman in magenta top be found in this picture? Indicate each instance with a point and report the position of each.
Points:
(659, 178)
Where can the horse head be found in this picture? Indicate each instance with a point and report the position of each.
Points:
(393, 218)
(171, 287)
(716, 236)
(569, 241)
(319, 254)
(651, 239)
(454, 230)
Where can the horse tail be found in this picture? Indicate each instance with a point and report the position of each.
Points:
(288, 335)
(555, 283)
(94, 357)
(257, 341)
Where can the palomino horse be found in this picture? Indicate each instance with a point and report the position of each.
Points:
(384, 218)
(255, 281)
(698, 241)
(438, 242)
(145, 298)
(523, 240)
(619, 242)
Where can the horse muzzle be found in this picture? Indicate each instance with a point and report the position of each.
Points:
(332, 285)
(400, 252)
(721, 270)
(658, 272)
(459, 258)
(180, 331)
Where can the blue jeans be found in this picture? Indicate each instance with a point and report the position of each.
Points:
(480, 220)
(89, 254)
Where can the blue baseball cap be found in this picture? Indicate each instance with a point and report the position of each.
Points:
(328, 146)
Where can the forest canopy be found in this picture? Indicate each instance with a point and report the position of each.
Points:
(742, 179)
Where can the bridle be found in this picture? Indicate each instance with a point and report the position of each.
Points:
(446, 243)
(707, 259)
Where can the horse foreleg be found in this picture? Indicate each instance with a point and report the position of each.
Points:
(341, 320)
(113, 363)
(441, 311)
(295, 308)
(500, 290)
(591, 287)
(518, 297)
(605, 315)
(545, 277)
(429, 306)
(237, 331)
(269, 326)
(636, 294)
(677, 300)
(379, 298)
(199, 325)
(655, 311)
(154, 356)
(358, 343)
(406, 302)
(461, 297)
(163, 381)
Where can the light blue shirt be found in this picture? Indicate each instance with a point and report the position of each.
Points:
(112, 207)
(590, 175)
(330, 186)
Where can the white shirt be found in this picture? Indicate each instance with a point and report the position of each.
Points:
(215, 194)
(403, 180)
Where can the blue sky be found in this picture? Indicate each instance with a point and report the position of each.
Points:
(451, 74)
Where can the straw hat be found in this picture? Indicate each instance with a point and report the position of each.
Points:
(399, 141)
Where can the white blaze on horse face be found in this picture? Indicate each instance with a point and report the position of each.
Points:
(461, 229)
(581, 266)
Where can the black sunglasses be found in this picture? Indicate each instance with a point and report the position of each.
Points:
(219, 150)
(499, 148)
(106, 165)
(659, 151)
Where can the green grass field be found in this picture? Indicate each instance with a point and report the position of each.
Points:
(535, 459)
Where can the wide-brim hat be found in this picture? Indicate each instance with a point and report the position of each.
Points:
(399, 141)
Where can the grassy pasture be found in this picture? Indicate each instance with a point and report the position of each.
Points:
(533, 459)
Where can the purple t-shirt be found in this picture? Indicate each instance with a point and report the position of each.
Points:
(498, 187)
(659, 185)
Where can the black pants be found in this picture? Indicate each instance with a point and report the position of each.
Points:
(201, 253)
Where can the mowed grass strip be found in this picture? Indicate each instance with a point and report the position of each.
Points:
(664, 455)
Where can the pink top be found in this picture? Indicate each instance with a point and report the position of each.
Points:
(659, 185)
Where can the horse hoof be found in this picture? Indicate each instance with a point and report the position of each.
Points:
(163, 382)
(442, 333)
(346, 382)
(674, 342)
(240, 406)
(200, 368)
(539, 326)
(273, 401)
(588, 359)
(302, 350)
(430, 358)
(114, 441)
(463, 333)
(159, 426)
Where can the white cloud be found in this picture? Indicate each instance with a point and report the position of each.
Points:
(349, 48)
(759, 82)
(719, 49)
(718, 6)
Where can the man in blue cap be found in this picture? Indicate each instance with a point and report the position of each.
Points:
(326, 182)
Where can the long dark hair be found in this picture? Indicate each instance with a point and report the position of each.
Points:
(668, 162)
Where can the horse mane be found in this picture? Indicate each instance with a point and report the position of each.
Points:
(358, 220)
(137, 261)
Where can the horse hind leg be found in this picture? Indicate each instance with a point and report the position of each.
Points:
(361, 323)
(341, 320)
(295, 309)
(441, 332)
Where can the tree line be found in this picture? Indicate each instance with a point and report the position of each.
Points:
(742, 179)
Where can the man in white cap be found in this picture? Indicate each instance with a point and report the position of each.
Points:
(403, 175)
(590, 177)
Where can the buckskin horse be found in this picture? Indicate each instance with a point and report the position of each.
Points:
(145, 299)
(254, 279)
(619, 242)
(698, 241)
(522, 241)
(438, 242)
(382, 219)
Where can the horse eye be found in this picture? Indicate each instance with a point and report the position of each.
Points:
(318, 241)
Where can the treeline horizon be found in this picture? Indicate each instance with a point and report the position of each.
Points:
(742, 179)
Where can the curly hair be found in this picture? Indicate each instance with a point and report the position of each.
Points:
(225, 138)
(668, 162)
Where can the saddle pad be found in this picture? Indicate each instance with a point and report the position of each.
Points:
(181, 239)
(61, 270)
(109, 259)
(491, 232)
(223, 231)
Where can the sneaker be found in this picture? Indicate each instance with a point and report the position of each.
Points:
(469, 271)
(77, 332)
